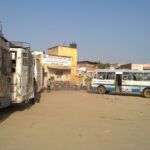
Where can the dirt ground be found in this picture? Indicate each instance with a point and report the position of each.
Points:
(77, 120)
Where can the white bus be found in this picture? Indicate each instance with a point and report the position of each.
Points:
(22, 78)
(38, 71)
(121, 81)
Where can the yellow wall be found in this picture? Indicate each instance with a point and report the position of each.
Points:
(66, 51)
(71, 52)
(53, 51)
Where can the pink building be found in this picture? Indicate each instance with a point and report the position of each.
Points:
(135, 67)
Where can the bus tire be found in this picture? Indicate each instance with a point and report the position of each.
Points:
(146, 93)
(101, 90)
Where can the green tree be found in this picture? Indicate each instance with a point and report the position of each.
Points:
(73, 45)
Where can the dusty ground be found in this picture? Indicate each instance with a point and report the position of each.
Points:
(77, 120)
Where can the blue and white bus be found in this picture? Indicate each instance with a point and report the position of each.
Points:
(122, 81)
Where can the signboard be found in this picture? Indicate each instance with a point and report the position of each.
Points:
(56, 60)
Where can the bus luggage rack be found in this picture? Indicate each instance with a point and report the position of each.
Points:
(16, 44)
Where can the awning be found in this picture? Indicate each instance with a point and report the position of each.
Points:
(60, 68)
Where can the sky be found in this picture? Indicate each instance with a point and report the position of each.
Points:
(113, 31)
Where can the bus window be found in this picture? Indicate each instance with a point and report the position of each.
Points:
(146, 76)
(6, 64)
(110, 75)
(127, 76)
(138, 76)
(101, 75)
(13, 57)
(25, 59)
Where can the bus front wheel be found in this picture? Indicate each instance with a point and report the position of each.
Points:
(101, 90)
(147, 93)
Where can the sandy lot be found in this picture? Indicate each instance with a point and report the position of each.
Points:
(77, 120)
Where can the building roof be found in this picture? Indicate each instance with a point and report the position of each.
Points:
(107, 70)
(146, 68)
(87, 62)
(60, 46)
(18, 44)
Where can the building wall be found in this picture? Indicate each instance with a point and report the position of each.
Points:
(87, 70)
(64, 77)
(50, 72)
(139, 66)
(71, 52)
(68, 52)
(53, 51)
(54, 71)
(89, 67)
(135, 66)
(37, 52)
(125, 67)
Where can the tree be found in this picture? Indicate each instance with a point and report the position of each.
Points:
(73, 45)
(103, 65)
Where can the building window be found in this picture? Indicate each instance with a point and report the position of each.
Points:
(59, 73)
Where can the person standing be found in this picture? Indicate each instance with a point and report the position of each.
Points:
(49, 83)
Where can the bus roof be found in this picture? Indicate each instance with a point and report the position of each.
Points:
(102, 70)
(16, 44)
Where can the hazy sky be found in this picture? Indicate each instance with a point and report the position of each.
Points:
(106, 30)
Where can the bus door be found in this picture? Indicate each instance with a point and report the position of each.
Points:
(118, 82)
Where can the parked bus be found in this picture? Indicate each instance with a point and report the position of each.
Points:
(129, 81)
(38, 71)
(22, 78)
(5, 71)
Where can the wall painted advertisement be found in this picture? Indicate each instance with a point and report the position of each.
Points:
(56, 60)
